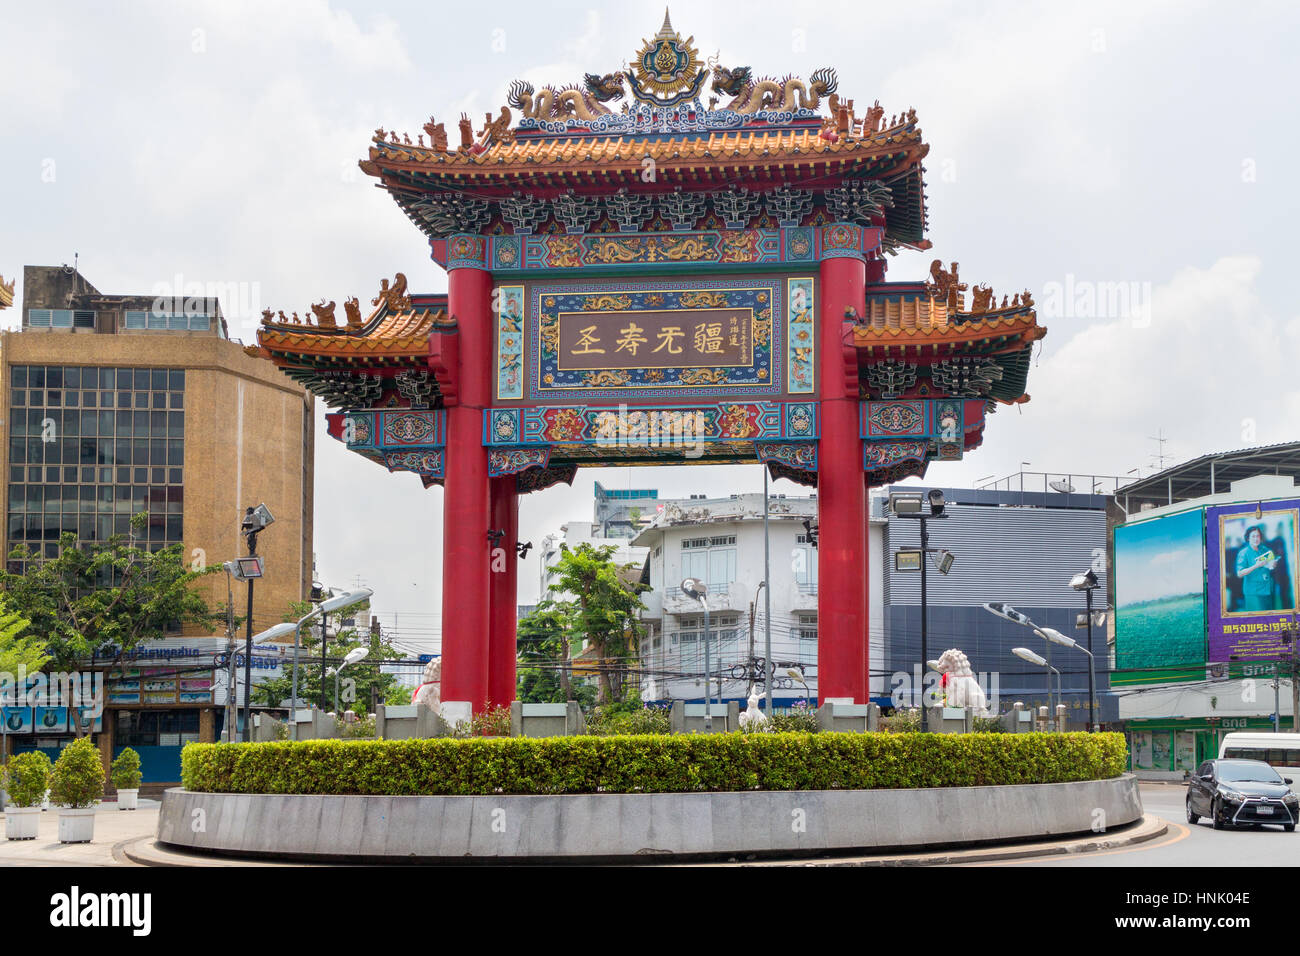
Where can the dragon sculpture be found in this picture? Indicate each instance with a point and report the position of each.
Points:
(585, 103)
(750, 96)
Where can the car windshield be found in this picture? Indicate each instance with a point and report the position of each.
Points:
(1247, 771)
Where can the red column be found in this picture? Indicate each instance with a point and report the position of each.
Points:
(466, 554)
(503, 590)
(841, 495)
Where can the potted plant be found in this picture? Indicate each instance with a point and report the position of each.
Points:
(26, 777)
(76, 784)
(126, 778)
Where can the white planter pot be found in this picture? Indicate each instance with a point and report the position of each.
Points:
(127, 799)
(76, 826)
(22, 823)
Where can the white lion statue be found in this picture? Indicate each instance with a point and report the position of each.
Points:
(429, 693)
(753, 718)
(960, 688)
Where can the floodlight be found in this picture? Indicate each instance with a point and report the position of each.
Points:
(905, 504)
(1025, 654)
(1084, 582)
(907, 559)
(946, 558)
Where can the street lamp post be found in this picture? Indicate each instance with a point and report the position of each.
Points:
(1025, 654)
(1087, 583)
(352, 656)
(1056, 637)
(323, 609)
(767, 601)
(696, 589)
(909, 505)
(255, 521)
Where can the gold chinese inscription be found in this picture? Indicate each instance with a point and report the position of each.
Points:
(684, 338)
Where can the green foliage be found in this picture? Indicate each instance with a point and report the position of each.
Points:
(601, 609)
(541, 639)
(643, 720)
(799, 719)
(126, 770)
(987, 725)
(26, 778)
(490, 723)
(77, 779)
(18, 651)
(680, 763)
(102, 594)
(361, 728)
(902, 721)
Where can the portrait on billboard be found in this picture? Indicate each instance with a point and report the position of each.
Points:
(1258, 568)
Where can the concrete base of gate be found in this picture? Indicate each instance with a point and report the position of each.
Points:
(629, 827)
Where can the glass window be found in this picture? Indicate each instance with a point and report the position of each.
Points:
(177, 322)
(176, 379)
(18, 376)
(54, 377)
(72, 377)
(141, 379)
(136, 320)
(61, 318)
(37, 376)
(157, 320)
(177, 400)
(200, 323)
(17, 396)
(90, 377)
(158, 379)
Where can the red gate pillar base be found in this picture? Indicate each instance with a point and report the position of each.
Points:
(466, 561)
(503, 593)
(841, 498)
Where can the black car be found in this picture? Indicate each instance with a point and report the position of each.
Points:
(1238, 792)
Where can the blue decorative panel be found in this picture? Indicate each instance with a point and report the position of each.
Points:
(802, 319)
(508, 301)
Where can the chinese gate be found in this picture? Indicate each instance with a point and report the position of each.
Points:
(670, 283)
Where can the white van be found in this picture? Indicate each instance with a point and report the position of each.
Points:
(1279, 751)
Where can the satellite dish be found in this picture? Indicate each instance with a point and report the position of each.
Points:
(1064, 487)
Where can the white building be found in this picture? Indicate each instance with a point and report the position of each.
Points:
(720, 541)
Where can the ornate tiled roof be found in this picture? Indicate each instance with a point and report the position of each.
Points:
(6, 293)
(776, 148)
(395, 334)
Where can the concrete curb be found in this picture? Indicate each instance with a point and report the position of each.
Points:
(146, 851)
(614, 828)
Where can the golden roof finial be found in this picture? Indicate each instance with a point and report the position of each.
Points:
(666, 32)
(6, 292)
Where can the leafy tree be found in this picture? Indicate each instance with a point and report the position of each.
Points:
(356, 682)
(601, 608)
(18, 652)
(542, 640)
(103, 594)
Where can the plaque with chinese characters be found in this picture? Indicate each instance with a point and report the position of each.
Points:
(717, 336)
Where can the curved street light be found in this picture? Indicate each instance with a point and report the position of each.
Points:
(324, 609)
(1025, 654)
(1056, 637)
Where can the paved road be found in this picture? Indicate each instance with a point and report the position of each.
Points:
(112, 828)
(1186, 845)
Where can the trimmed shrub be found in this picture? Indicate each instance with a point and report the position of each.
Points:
(126, 770)
(651, 764)
(26, 778)
(77, 779)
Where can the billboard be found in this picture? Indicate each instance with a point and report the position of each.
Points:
(1159, 598)
(1253, 575)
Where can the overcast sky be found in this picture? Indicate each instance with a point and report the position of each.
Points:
(1075, 149)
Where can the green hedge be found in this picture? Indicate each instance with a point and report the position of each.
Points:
(651, 764)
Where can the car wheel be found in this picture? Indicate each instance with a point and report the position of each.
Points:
(1192, 818)
(1289, 827)
(1216, 814)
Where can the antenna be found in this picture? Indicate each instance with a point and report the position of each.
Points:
(1160, 456)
